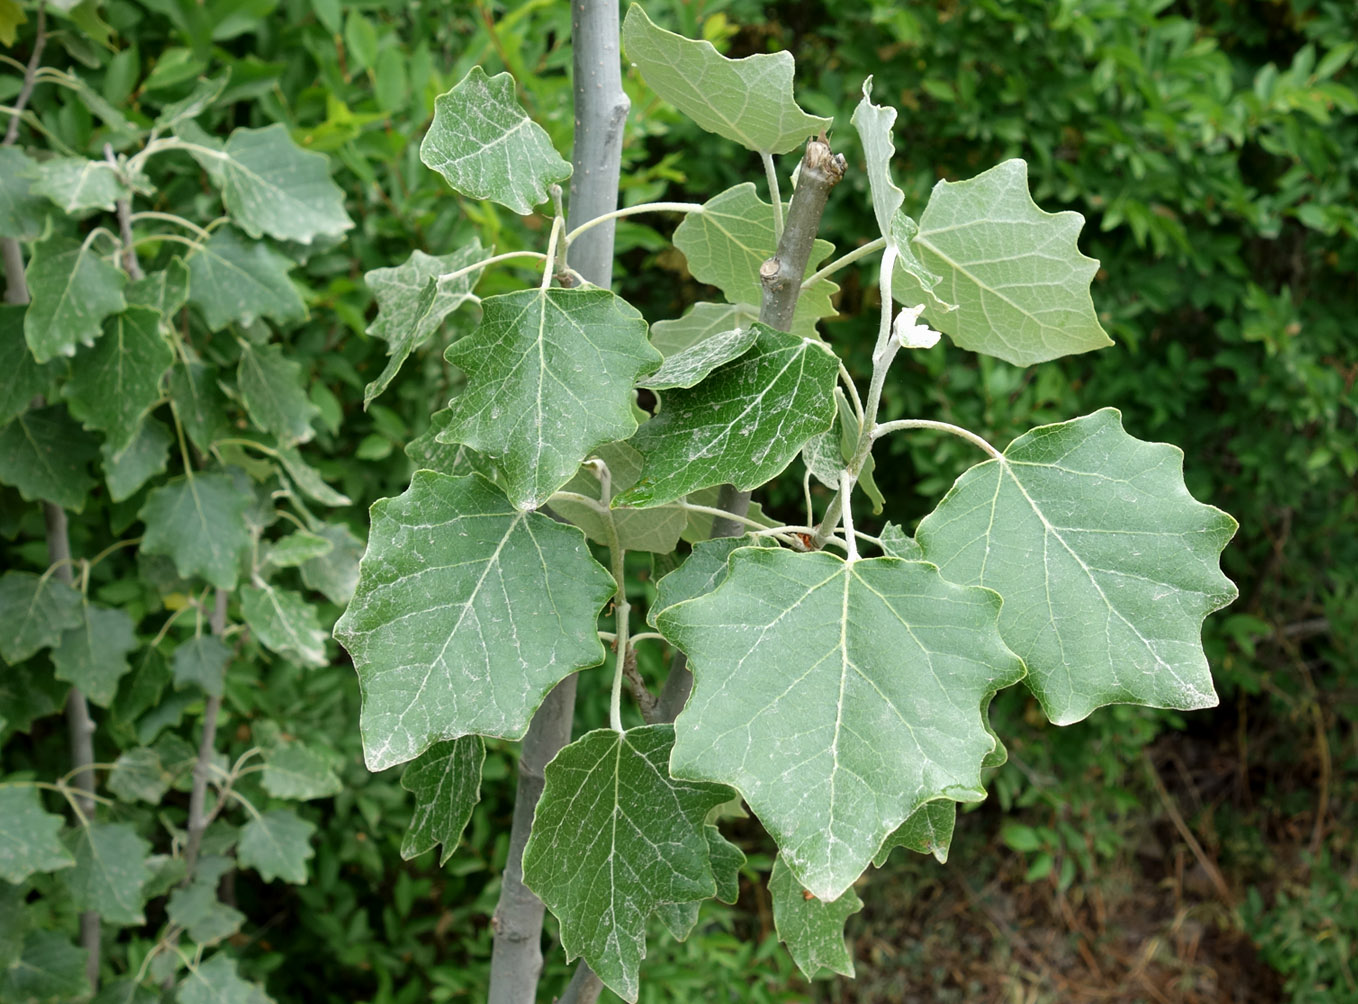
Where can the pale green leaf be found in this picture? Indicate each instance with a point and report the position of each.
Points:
(28, 691)
(277, 845)
(115, 383)
(271, 388)
(812, 928)
(199, 402)
(202, 661)
(24, 378)
(73, 290)
(1015, 272)
(412, 303)
(126, 990)
(742, 425)
(145, 456)
(689, 367)
(217, 982)
(727, 859)
(456, 459)
(204, 917)
(51, 969)
(78, 186)
(486, 147)
(837, 697)
(205, 92)
(700, 322)
(199, 522)
(93, 654)
(231, 279)
(1107, 565)
(549, 378)
(307, 480)
(746, 100)
(927, 831)
(446, 782)
(21, 211)
(297, 548)
(13, 924)
(613, 838)
(139, 774)
(272, 186)
(896, 544)
(284, 623)
(874, 123)
(727, 242)
(36, 611)
(335, 573)
(165, 290)
(46, 455)
(654, 530)
(297, 771)
(110, 871)
(30, 836)
(702, 571)
(468, 612)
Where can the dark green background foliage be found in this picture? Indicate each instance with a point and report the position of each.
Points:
(1213, 149)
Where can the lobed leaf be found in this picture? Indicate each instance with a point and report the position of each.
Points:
(46, 455)
(73, 290)
(811, 928)
(93, 654)
(36, 610)
(199, 522)
(118, 381)
(837, 697)
(468, 612)
(234, 280)
(30, 836)
(446, 782)
(1107, 565)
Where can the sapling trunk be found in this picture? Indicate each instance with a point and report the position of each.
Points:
(600, 111)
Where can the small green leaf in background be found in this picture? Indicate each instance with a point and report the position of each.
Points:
(298, 548)
(700, 322)
(446, 782)
(277, 844)
(147, 455)
(114, 384)
(93, 654)
(272, 186)
(468, 612)
(35, 610)
(199, 100)
(296, 771)
(284, 623)
(21, 211)
(110, 871)
(655, 530)
(198, 521)
(702, 571)
(689, 367)
(1015, 272)
(165, 291)
(139, 774)
(812, 929)
(232, 279)
(30, 836)
(335, 573)
(746, 100)
(199, 403)
(50, 969)
(73, 290)
(46, 455)
(881, 672)
(411, 305)
(540, 355)
(647, 846)
(486, 147)
(742, 425)
(202, 661)
(78, 186)
(216, 981)
(727, 242)
(196, 908)
(271, 388)
(1106, 564)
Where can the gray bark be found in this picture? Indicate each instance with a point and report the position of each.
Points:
(600, 111)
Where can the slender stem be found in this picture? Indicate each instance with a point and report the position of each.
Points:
(618, 214)
(647, 636)
(846, 487)
(771, 173)
(844, 260)
(622, 615)
(151, 214)
(549, 270)
(157, 237)
(206, 749)
(492, 260)
(923, 423)
(852, 388)
(30, 76)
(131, 265)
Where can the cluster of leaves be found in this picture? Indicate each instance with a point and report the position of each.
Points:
(1075, 560)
